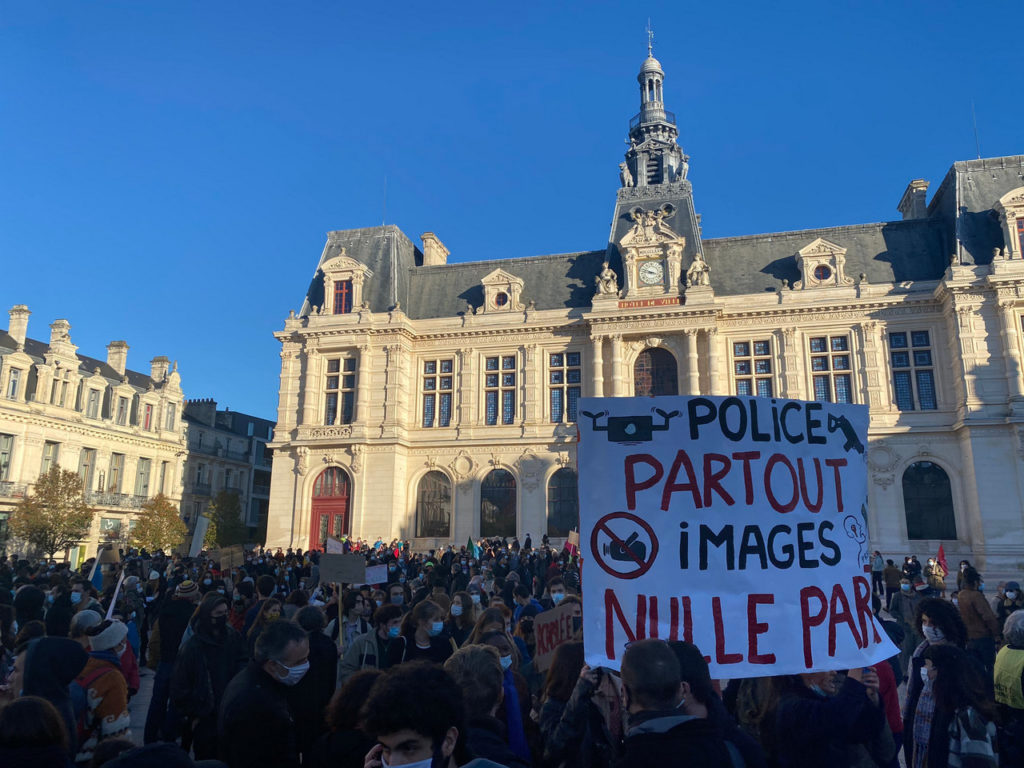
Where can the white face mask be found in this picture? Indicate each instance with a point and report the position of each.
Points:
(428, 763)
(933, 635)
(294, 674)
(924, 675)
(1011, 594)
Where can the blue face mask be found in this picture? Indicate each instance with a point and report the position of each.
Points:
(76, 598)
(397, 599)
(436, 628)
(506, 662)
(393, 631)
(456, 610)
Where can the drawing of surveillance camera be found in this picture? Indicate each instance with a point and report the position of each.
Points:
(843, 424)
(631, 430)
(632, 551)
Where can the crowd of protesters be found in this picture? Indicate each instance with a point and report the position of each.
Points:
(263, 664)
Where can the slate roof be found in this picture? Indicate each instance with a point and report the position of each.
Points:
(87, 365)
(887, 252)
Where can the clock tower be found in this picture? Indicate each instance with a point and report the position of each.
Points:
(655, 235)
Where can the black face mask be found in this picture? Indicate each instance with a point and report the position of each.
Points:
(218, 622)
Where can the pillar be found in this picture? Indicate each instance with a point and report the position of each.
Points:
(617, 389)
(692, 370)
(597, 361)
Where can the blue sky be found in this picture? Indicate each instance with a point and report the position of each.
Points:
(170, 169)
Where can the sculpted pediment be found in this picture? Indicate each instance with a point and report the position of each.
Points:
(502, 291)
(650, 228)
(1013, 199)
(344, 263)
(822, 264)
(501, 277)
(821, 247)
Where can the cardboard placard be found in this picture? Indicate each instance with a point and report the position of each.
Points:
(342, 569)
(231, 557)
(334, 546)
(552, 628)
(376, 574)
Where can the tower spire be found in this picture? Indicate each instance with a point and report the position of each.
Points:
(650, 39)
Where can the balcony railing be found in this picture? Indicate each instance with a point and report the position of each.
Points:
(653, 115)
(11, 490)
(219, 452)
(122, 500)
(260, 490)
(199, 489)
(233, 489)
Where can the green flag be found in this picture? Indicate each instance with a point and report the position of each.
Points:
(474, 550)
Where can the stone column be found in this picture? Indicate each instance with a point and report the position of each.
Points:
(692, 370)
(1011, 352)
(311, 388)
(362, 415)
(714, 363)
(597, 361)
(532, 388)
(617, 390)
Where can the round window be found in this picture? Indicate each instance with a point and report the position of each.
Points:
(822, 272)
(501, 299)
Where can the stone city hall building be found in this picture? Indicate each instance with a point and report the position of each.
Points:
(436, 401)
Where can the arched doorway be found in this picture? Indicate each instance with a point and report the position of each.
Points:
(498, 504)
(331, 493)
(928, 502)
(654, 373)
(434, 506)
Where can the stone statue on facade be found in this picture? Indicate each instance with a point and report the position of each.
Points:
(607, 282)
(625, 176)
(699, 274)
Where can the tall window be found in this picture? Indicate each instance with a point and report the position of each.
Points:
(86, 465)
(498, 504)
(500, 389)
(912, 372)
(147, 417)
(564, 381)
(830, 369)
(51, 452)
(13, 382)
(434, 506)
(142, 477)
(6, 450)
(340, 390)
(170, 416)
(116, 474)
(122, 411)
(342, 297)
(59, 388)
(438, 383)
(654, 373)
(92, 407)
(162, 488)
(1020, 234)
(563, 503)
(752, 367)
(928, 502)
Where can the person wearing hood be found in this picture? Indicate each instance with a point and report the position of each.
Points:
(45, 668)
(255, 725)
(106, 692)
(205, 665)
(665, 719)
(28, 604)
(59, 610)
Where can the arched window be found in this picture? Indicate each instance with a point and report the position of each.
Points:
(434, 506)
(928, 502)
(563, 503)
(654, 373)
(498, 504)
(330, 507)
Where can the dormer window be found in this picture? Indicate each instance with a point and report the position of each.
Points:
(502, 292)
(822, 264)
(1010, 209)
(342, 297)
(13, 383)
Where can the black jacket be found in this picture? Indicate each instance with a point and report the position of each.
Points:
(173, 620)
(203, 669)
(58, 617)
(666, 738)
(255, 726)
(485, 737)
(341, 749)
(308, 699)
(51, 664)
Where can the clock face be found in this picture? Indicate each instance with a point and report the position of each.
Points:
(651, 272)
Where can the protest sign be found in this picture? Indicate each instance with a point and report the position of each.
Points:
(342, 569)
(552, 628)
(230, 557)
(334, 547)
(736, 523)
(376, 574)
(202, 524)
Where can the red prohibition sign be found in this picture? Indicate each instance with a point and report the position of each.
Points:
(602, 527)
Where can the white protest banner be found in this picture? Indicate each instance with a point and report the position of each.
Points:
(334, 547)
(736, 523)
(376, 574)
(202, 524)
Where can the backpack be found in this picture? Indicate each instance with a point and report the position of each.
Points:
(78, 691)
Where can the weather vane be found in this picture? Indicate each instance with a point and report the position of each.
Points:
(650, 38)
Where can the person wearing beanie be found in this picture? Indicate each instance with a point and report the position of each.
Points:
(106, 692)
(164, 643)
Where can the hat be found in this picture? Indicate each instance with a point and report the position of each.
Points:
(107, 635)
(187, 588)
(1012, 585)
(83, 621)
(131, 581)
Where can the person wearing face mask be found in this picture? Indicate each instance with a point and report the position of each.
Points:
(1012, 601)
(980, 620)
(375, 649)
(82, 597)
(255, 725)
(904, 610)
(523, 734)
(204, 667)
(939, 623)
(105, 690)
(461, 618)
(59, 611)
(398, 595)
(425, 638)
(556, 593)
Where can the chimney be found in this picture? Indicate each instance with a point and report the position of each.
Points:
(912, 204)
(60, 331)
(434, 252)
(158, 368)
(19, 324)
(117, 356)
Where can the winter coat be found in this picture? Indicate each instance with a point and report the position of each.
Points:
(575, 733)
(977, 615)
(51, 664)
(485, 738)
(255, 726)
(202, 671)
(664, 738)
(368, 652)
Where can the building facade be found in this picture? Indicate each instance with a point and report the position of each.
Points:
(436, 401)
(121, 430)
(227, 451)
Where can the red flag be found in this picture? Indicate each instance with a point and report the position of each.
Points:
(941, 559)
